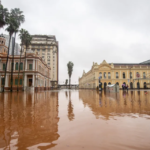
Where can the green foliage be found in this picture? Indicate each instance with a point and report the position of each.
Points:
(70, 68)
(66, 81)
(4, 16)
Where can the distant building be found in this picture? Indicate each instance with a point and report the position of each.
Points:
(136, 75)
(17, 47)
(47, 47)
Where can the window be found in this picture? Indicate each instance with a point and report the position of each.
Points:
(16, 81)
(30, 66)
(104, 75)
(4, 66)
(109, 75)
(20, 82)
(130, 75)
(3, 81)
(144, 75)
(43, 53)
(21, 66)
(16, 66)
(100, 75)
(43, 50)
(48, 50)
(117, 76)
(124, 75)
(38, 49)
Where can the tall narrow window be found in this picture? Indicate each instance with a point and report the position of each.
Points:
(109, 75)
(104, 75)
(20, 81)
(100, 75)
(144, 75)
(117, 76)
(16, 81)
(30, 66)
(130, 75)
(21, 66)
(16, 66)
(124, 76)
(4, 65)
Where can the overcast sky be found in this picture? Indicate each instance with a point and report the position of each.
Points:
(90, 30)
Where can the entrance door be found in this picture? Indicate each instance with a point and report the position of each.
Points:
(30, 82)
(131, 85)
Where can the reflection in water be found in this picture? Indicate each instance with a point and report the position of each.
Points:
(28, 119)
(70, 108)
(111, 104)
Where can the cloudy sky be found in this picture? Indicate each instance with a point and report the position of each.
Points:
(90, 30)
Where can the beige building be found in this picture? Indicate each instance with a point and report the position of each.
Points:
(117, 73)
(34, 72)
(47, 48)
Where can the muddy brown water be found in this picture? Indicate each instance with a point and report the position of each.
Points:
(75, 120)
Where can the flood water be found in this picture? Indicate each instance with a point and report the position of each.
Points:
(75, 120)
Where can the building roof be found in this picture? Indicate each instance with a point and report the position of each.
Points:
(146, 62)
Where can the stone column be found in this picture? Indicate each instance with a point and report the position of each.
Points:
(25, 80)
(33, 64)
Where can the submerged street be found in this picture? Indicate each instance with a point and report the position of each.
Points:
(74, 120)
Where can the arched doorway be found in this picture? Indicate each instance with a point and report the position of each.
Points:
(105, 84)
(131, 85)
(138, 85)
(117, 83)
(124, 83)
(109, 83)
(145, 85)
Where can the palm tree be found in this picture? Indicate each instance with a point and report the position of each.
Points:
(19, 17)
(28, 39)
(12, 26)
(4, 16)
(22, 35)
(70, 108)
(70, 69)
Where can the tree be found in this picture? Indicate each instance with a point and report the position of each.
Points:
(66, 82)
(27, 42)
(12, 26)
(23, 34)
(19, 17)
(4, 16)
(70, 69)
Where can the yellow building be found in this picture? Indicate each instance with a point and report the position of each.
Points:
(117, 73)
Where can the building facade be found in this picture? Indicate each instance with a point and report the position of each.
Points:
(34, 72)
(47, 48)
(133, 75)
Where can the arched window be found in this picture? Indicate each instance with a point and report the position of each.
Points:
(145, 85)
(109, 83)
(124, 76)
(105, 84)
(130, 75)
(138, 85)
(131, 85)
(124, 83)
(117, 83)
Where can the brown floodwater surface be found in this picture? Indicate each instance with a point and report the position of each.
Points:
(75, 120)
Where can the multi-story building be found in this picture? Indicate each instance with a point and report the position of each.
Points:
(17, 47)
(47, 48)
(34, 72)
(136, 75)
